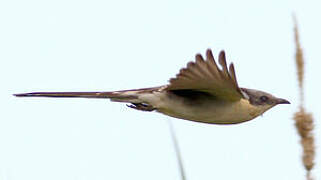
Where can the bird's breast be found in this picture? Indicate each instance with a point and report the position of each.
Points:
(243, 111)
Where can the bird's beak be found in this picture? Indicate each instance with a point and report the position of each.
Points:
(282, 101)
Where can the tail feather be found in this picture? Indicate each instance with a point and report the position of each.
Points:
(114, 96)
(130, 96)
(67, 94)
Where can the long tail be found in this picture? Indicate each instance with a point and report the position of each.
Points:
(127, 96)
(131, 96)
(119, 96)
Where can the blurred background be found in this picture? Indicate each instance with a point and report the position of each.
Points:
(68, 45)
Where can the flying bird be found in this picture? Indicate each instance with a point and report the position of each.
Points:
(201, 92)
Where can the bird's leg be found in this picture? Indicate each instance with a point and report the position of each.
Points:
(141, 106)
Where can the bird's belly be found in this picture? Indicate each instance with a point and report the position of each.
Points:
(213, 112)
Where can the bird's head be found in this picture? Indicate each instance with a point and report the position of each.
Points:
(264, 101)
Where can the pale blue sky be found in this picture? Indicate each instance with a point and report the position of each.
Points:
(97, 45)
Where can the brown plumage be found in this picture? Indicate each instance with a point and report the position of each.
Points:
(204, 75)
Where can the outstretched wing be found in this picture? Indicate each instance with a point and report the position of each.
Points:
(205, 76)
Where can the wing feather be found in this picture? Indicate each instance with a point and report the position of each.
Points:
(204, 75)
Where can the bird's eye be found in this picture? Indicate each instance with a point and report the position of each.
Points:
(264, 98)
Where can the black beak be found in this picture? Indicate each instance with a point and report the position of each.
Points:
(282, 101)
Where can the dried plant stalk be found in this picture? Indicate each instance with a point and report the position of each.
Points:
(299, 61)
(177, 151)
(303, 120)
(304, 125)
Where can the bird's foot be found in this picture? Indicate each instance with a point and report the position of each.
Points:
(141, 106)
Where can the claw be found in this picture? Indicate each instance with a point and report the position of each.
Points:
(141, 106)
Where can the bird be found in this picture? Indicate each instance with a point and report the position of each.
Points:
(201, 92)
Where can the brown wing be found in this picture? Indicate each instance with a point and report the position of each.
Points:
(204, 75)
